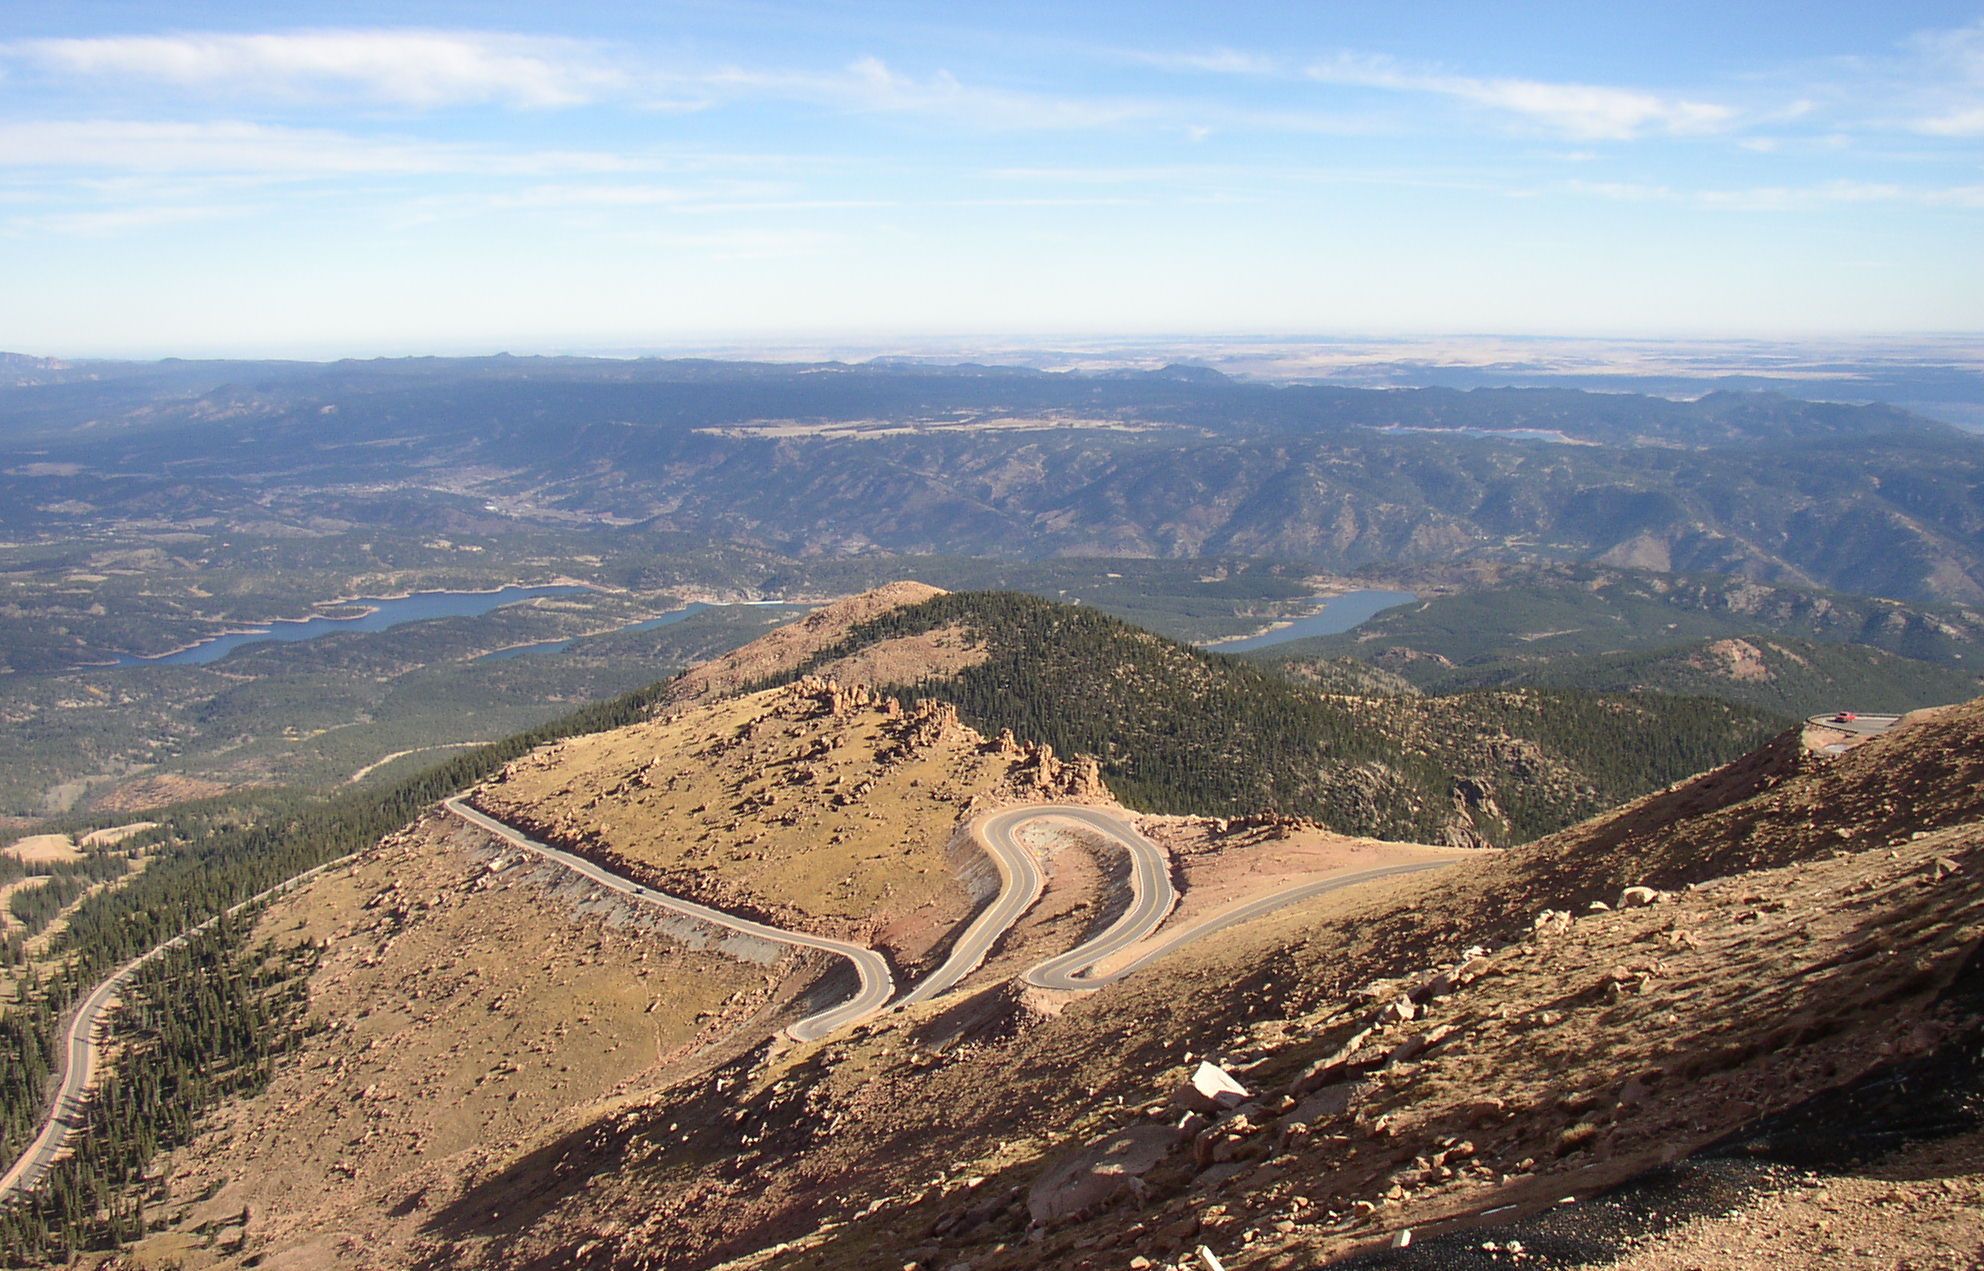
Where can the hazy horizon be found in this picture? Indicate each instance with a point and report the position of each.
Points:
(370, 179)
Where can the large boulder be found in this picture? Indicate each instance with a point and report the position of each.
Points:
(1209, 1089)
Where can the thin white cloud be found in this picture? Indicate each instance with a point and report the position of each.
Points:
(424, 69)
(1843, 192)
(1046, 201)
(427, 69)
(1946, 75)
(236, 147)
(740, 244)
(1164, 173)
(1591, 112)
(1221, 61)
(105, 222)
(1623, 191)
(717, 196)
(1955, 123)
(411, 68)
(1786, 198)
(869, 85)
(594, 196)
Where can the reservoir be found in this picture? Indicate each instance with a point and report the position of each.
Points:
(1338, 614)
(384, 612)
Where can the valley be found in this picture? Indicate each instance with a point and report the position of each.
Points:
(879, 904)
(1160, 637)
(1011, 910)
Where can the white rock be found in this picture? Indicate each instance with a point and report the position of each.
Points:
(1209, 1089)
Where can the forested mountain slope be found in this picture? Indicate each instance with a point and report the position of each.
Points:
(1177, 729)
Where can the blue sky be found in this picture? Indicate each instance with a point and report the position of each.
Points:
(365, 178)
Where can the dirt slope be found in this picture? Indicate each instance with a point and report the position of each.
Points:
(1418, 1051)
(468, 1001)
(1566, 1058)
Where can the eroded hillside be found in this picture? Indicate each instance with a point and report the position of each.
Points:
(1469, 1046)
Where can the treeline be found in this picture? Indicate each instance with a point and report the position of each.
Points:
(206, 858)
(37, 906)
(34, 907)
(96, 866)
(201, 1023)
(1177, 729)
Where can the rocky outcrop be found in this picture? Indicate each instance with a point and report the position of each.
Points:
(1038, 774)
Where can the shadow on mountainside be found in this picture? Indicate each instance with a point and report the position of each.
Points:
(1863, 1129)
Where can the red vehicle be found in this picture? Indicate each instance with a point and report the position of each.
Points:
(1844, 717)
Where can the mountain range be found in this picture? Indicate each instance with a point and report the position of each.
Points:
(976, 460)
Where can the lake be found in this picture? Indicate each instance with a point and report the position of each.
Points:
(1338, 614)
(386, 612)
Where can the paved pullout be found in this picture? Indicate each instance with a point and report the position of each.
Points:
(877, 984)
(79, 1052)
(1248, 910)
(1857, 725)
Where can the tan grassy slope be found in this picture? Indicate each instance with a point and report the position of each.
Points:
(789, 646)
(1571, 1056)
(469, 1000)
(816, 807)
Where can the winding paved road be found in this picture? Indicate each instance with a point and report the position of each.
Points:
(82, 1042)
(877, 984)
(1152, 898)
(1260, 905)
(1020, 883)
